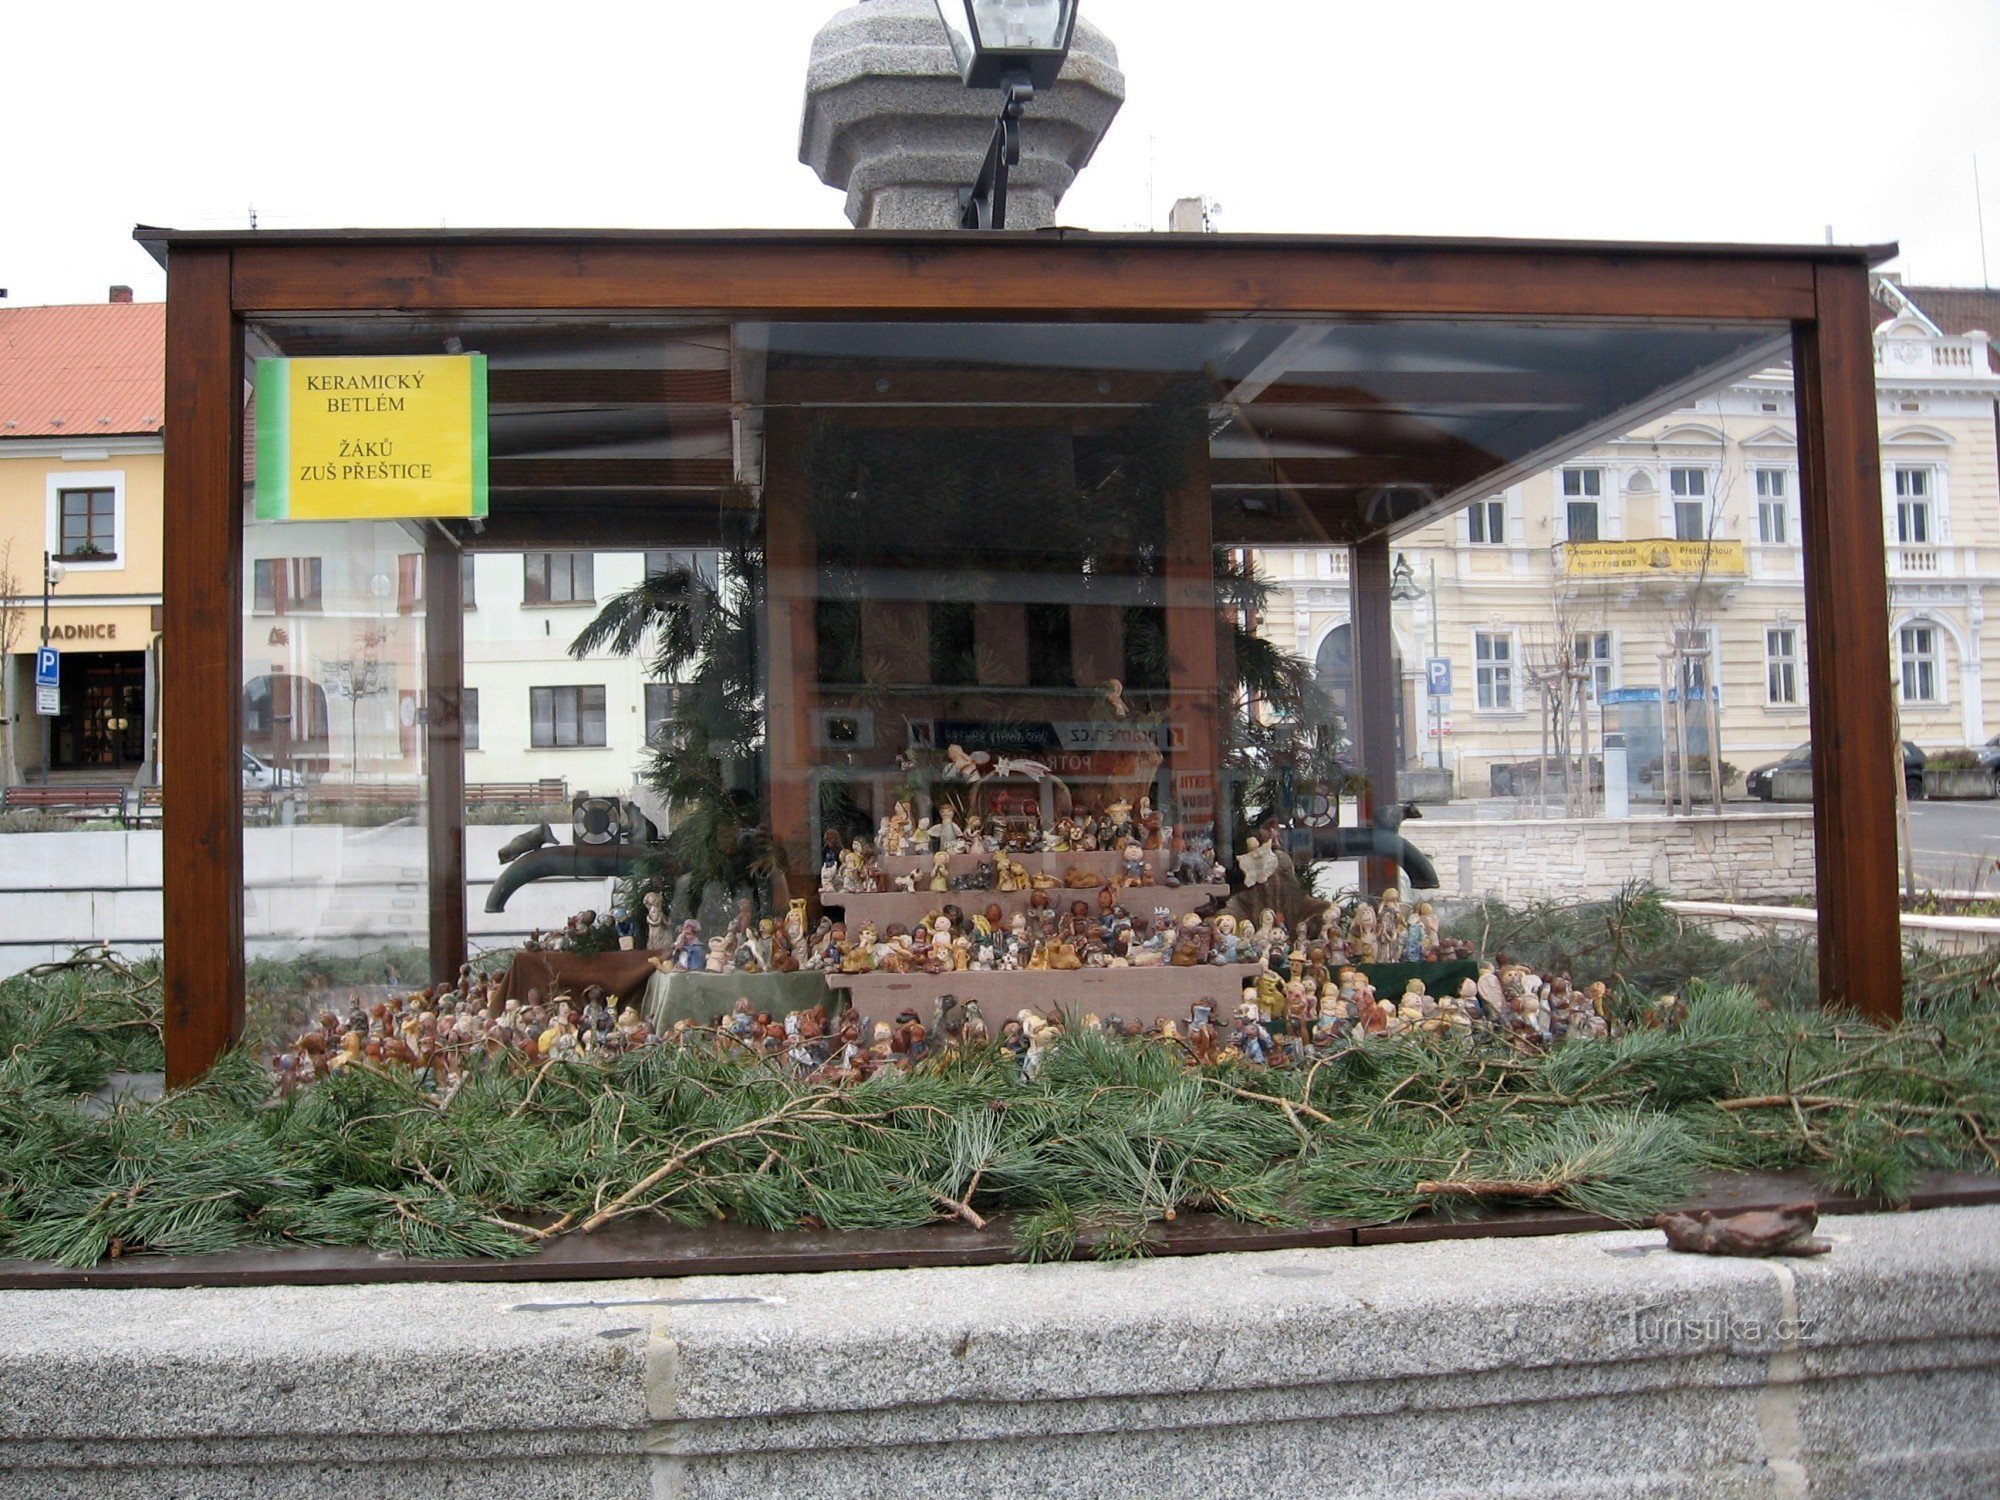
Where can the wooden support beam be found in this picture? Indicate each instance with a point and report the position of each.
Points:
(1376, 690)
(1193, 625)
(1377, 390)
(201, 720)
(609, 473)
(791, 649)
(1855, 758)
(444, 750)
(883, 383)
(1011, 276)
(507, 386)
(1430, 469)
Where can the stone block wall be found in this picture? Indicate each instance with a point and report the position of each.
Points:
(1760, 856)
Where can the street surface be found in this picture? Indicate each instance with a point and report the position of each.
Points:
(1957, 845)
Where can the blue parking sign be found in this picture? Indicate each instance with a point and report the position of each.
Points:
(48, 667)
(1437, 676)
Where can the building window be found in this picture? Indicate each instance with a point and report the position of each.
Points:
(662, 699)
(704, 564)
(954, 662)
(1697, 648)
(837, 629)
(1917, 647)
(1689, 488)
(1773, 507)
(1593, 657)
(409, 583)
(1145, 654)
(466, 573)
(559, 578)
(1781, 665)
(1494, 654)
(1486, 523)
(1051, 663)
(89, 521)
(565, 717)
(1582, 490)
(468, 716)
(1915, 525)
(285, 585)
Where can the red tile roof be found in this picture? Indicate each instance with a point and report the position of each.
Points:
(1959, 309)
(83, 372)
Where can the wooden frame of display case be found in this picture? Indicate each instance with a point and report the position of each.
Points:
(217, 280)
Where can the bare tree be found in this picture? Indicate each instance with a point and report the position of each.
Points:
(1560, 668)
(13, 620)
(1691, 641)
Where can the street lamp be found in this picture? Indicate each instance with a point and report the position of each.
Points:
(1404, 589)
(1016, 46)
(52, 574)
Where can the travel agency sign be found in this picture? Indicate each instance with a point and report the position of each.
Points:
(371, 438)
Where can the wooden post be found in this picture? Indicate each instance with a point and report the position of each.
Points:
(1855, 759)
(1193, 623)
(791, 581)
(202, 698)
(1375, 690)
(444, 750)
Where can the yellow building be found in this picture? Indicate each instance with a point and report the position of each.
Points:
(81, 415)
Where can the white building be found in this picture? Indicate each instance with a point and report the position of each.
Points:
(1547, 573)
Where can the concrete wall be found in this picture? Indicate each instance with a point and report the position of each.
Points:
(1600, 1365)
(1736, 857)
(305, 887)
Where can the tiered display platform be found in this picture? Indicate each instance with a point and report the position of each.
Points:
(1138, 993)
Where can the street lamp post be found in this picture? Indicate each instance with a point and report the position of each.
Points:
(1403, 587)
(1016, 46)
(52, 574)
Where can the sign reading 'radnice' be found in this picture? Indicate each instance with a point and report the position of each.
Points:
(371, 439)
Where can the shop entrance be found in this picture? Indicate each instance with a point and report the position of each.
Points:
(103, 718)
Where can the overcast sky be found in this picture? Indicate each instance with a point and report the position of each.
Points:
(1763, 120)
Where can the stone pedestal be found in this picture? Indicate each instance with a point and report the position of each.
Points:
(1598, 1364)
(889, 122)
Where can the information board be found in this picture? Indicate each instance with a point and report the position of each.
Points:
(371, 438)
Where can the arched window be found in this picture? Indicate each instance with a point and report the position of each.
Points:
(285, 721)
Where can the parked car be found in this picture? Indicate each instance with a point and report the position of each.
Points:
(1522, 778)
(260, 775)
(1758, 782)
(1989, 754)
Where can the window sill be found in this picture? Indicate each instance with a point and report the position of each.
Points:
(532, 748)
(85, 559)
(558, 604)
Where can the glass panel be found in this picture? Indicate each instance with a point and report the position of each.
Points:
(957, 591)
(336, 862)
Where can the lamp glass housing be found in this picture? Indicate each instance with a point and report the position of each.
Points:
(992, 39)
(1403, 585)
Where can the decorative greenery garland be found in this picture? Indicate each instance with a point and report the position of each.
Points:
(1108, 1141)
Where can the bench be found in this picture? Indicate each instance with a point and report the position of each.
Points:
(149, 809)
(548, 792)
(74, 801)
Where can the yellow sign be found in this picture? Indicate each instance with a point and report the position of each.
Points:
(371, 439)
(1665, 558)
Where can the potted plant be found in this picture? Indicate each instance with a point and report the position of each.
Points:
(1957, 774)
